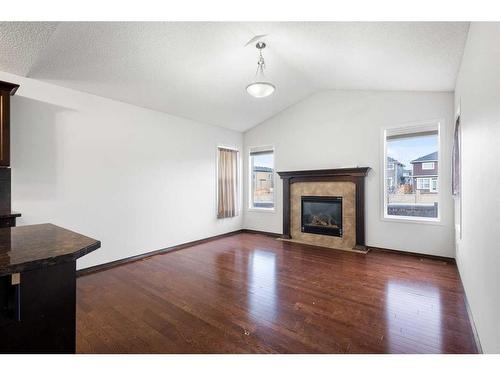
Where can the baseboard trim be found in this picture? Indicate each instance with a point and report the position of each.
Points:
(403, 252)
(105, 266)
(472, 324)
(475, 334)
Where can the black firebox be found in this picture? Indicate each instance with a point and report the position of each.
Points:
(322, 215)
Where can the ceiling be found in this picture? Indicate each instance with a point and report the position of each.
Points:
(199, 70)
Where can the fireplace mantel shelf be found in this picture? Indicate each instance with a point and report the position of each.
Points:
(354, 172)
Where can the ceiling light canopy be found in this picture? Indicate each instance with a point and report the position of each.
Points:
(259, 88)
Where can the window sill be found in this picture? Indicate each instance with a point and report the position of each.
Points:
(412, 220)
(257, 209)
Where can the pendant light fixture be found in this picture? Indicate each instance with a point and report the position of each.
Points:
(259, 88)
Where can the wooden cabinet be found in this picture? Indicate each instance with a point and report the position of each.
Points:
(7, 218)
(41, 318)
(7, 89)
(38, 288)
(4, 129)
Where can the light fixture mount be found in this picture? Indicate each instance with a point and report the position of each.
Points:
(259, 88)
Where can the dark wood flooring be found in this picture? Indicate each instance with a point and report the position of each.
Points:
(249, 293)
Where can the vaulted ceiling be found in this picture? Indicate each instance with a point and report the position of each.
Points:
(200, 70)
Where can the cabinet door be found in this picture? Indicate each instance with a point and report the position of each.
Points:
(47, 311)
(4, 128)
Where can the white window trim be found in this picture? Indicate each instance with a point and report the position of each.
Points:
(390, 166)
(408, 128)
(250, 207)
(425, 166)
(239, 185)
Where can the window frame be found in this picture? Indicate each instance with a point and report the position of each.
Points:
(424, 168)
(411, 128)
(250, 206)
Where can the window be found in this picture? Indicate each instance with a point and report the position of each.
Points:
(427, 184)
(262, 178)
(434, 185)
(389, 182)
(423, 183)
(227, 182)
(411, 190)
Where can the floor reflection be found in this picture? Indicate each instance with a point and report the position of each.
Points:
(262, 288)
(413, 312)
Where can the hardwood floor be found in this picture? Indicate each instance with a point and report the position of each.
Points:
(250, 293)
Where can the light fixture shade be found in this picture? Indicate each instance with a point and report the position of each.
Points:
(260, 89)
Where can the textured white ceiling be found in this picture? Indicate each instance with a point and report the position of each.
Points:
(200, 70)
(21, 44)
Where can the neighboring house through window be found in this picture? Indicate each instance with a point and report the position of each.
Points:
(261, 164)
(411, 165)
(423, 167)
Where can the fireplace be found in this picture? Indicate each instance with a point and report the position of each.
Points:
(321, 215)
(342, 190)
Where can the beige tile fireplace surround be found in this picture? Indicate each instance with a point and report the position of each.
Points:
(344, 189)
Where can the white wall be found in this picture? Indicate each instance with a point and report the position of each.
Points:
(478, 252)
(136, 179)
(343, 129)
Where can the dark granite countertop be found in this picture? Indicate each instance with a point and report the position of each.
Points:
(37, 246)
(9, 214)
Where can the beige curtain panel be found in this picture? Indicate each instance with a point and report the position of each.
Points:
(227, 184)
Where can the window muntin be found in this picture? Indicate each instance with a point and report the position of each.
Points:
(411, 188)
(262, 179)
